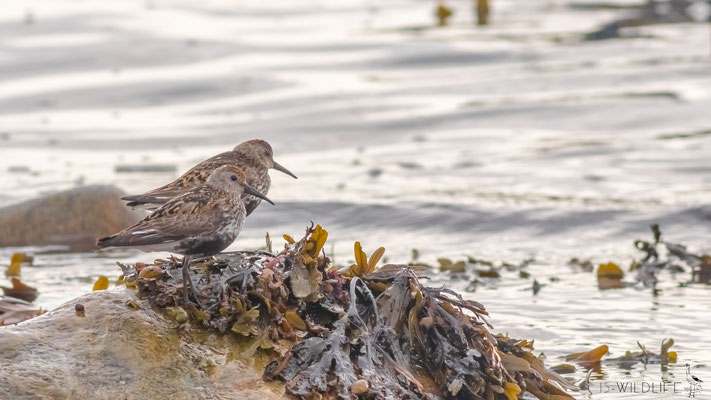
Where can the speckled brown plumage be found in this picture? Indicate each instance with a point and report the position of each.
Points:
(253, 158)
(202, 221)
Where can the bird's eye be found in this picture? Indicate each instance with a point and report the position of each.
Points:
(267, 153)
(234, 178)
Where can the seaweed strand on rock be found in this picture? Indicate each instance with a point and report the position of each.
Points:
(352, 333)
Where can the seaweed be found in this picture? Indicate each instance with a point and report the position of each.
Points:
(652, 262)
(646, 356)
(359, 347)
(15, 303)
(20, 291)
(657, 255)
(356, 332)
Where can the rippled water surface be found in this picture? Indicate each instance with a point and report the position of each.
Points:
(512, 142)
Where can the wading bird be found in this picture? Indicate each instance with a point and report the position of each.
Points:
(253, 157)
(201, 222)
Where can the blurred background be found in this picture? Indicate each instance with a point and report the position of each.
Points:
(502, 130)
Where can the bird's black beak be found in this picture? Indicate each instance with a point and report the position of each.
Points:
(279, 168)
(250, 190)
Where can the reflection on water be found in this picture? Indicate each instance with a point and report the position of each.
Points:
(507, 143)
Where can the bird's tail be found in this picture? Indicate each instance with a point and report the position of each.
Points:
(137, 205)
(147, 202)
(105, 241)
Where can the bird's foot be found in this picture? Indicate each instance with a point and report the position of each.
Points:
(189, 286)
(189, 291)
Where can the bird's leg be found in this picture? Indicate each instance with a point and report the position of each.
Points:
(186, 278)
(187, 281)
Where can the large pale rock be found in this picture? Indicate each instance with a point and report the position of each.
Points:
(73, 218)
(117, 352)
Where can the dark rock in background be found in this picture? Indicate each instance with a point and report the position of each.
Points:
(74, 218)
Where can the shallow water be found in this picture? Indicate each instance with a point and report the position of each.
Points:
(511, 142)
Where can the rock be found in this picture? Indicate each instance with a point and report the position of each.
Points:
(120, 352)
(74, 218)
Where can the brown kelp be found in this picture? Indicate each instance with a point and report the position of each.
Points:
(16, 263)
(358, 332)
(20, 291)
(657, 255)
(677, 256)
(593, 358)
(15, 302)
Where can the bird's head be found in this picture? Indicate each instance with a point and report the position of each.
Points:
(262, 152)
(232, 180)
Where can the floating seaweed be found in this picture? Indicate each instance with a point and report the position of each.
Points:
(592, 359)
(20, 291)
(358, 332)
(15, 304)
(490, 270)
(584, 265)
(592, 356)
(657, 255)
(652, 262)
(609, 276)
(16, 263)
(102, 283)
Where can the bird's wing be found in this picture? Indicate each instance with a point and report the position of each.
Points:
(157, 196)
(196, 212)
(191, 214)
(195, 176)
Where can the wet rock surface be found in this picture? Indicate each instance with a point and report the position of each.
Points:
(121, 349)
(72, 218)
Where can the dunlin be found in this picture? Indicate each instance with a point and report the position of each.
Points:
(254, 157)
(200, 222)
